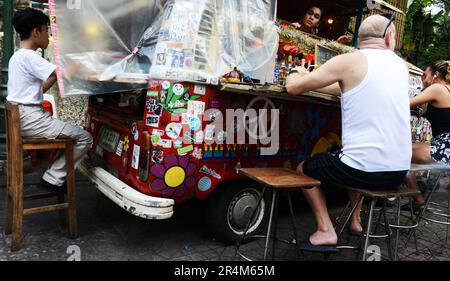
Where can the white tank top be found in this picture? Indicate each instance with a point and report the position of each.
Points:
(376, 129)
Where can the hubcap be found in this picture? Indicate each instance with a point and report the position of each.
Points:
(241, 209)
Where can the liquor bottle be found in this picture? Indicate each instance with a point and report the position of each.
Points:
(276, 72)
(282, 79)
(289, 64)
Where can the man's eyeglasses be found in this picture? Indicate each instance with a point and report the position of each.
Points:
(391, 18)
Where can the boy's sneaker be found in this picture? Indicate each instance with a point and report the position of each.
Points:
(53, 188)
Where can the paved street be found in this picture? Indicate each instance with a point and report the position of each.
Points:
(109, 233)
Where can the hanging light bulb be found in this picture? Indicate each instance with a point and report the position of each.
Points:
(91, 29)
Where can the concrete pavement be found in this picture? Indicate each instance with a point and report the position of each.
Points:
(109, 233)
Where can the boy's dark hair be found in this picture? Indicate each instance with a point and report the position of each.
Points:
(26, 20)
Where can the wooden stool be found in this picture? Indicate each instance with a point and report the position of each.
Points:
(278, 179)
(374, 196)
(15, 210)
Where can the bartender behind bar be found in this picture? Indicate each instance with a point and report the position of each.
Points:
(311, 20)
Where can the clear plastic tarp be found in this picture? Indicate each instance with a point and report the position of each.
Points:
(107, 46)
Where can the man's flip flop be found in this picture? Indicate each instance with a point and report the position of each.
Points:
(307, 246)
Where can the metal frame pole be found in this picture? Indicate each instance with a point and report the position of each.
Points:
(8, 50)
(361, 5)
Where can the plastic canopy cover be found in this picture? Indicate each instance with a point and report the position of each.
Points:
(107, 46)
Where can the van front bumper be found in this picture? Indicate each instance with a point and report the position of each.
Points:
(129, 199)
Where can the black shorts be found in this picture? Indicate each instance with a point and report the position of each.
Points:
(330, 170)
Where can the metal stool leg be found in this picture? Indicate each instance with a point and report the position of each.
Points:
(397, 230)
(350, 215)
(388, 230)
(413, 221)
(361, 239)
(425, 207)
(378, 222)
(291, 210)
(269, 228)
(411, 228)
(368, 228)
(275, 224)
(338, 220)
(448, 217)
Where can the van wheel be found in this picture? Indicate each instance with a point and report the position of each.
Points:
(230, 208)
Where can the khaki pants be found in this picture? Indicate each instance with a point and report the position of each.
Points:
(35, 123)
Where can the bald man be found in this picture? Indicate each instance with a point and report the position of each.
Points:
(376, 135)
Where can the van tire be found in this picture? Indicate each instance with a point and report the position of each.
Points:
(224, 215)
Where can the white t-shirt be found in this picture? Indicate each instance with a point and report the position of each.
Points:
(27, 73)
(376, 128)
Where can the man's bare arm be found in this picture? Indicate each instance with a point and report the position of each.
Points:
(334, 89)
(326, 78)
(49, 82)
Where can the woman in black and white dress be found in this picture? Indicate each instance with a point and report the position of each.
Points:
(436, 80)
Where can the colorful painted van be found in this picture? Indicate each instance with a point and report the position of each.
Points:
(166, 129)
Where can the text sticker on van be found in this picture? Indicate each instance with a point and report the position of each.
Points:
(196, 108)
(119, 148)
(157, 132)
(184, 150)
(135, 160)
(200, 89)
(152, 120)
(185, 118)
(165, 143)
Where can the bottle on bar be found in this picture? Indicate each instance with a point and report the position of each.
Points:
(276, 72)
(283, 73)
(289, 64)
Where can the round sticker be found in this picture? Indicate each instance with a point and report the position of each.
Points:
(173, 130)
(165, 85)
(178, 89)
(204, 184)
(135, 131)
(195, 123)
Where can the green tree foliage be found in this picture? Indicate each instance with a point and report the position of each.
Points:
(427, 32)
